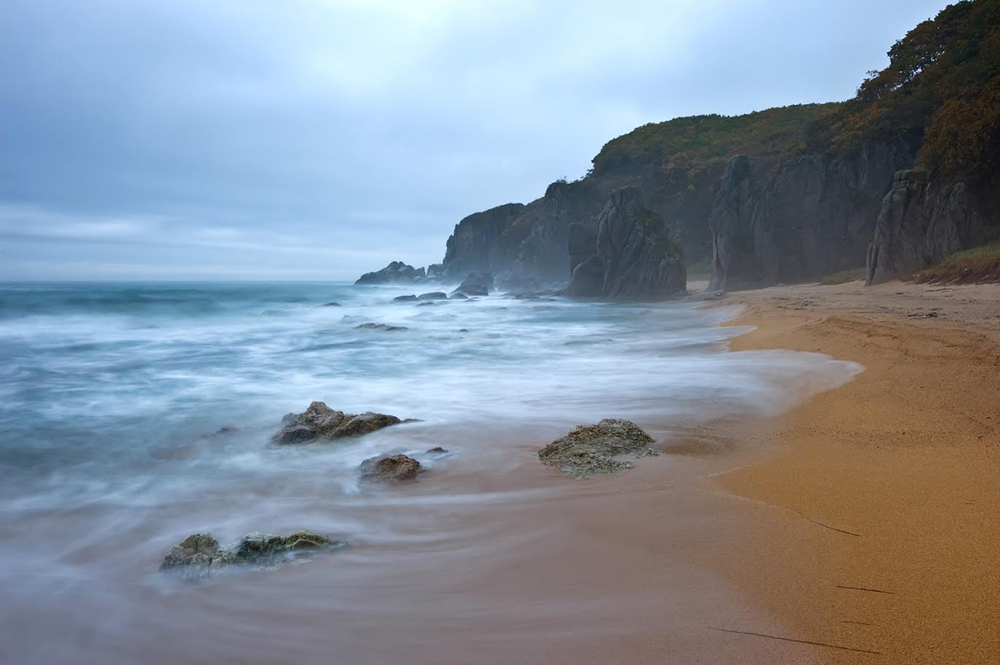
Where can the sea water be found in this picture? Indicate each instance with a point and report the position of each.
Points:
(134, 414)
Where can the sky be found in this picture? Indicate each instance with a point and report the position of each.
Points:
(319, 139)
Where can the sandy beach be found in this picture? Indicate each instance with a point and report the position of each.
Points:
(878, 505)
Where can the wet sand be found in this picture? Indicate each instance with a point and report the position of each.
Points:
(880, 504)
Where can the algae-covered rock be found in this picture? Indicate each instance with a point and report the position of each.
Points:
(321, 423)
(389, 469)
(592, 450)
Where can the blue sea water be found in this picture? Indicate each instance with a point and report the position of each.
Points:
(112, 396)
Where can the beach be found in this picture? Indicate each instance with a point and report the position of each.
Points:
(879, 502)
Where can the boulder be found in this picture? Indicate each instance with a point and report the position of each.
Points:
(476, 284)
(380, 326)
(592, 450)
(200, 555)
(409, 298)
(395, 273)
(332, 304)
(389, 469)
(433, 295)
(458, 296)
(321, 423)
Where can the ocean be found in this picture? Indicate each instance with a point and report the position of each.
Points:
(113, 400)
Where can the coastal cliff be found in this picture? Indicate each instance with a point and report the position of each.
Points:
(903, 174)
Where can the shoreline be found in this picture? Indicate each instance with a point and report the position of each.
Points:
(878, 501)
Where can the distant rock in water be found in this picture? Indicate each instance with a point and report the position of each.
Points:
(409, 298)
(332, 304)
(475, 284)
(389, 469)
(592, 450)
(635, 255)
(199, 556)
(394, 273)
(433, 295)
(458, 296)
(321, 423)
(380, 326)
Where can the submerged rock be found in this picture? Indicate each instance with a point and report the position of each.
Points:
(384, 327)
(437, 450)
(433, 295)
(592, 450)
(458, 296)
(389, 469)
(409, 298)
(321, 423)
(200, 555)
(332, 304)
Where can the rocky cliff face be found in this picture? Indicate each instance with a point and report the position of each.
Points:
(919, 224)
(470, 246)
(634, 257)
(799, 219)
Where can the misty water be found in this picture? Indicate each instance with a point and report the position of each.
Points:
(112, 397)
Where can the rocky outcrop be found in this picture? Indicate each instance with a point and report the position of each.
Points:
(321, 423)
(635, 256)
(199, 556)
(433, 295)
(800, 219)
(472, 243)
(592, 450)
(396, 272)
(918, 225)
(383, 327)
(475, 284)
(389, 469)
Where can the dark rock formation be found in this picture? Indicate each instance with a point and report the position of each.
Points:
(635, 257)
(475, 284)
(592, 450)
(458, 296)
(389, 469)
(394, 273)
(434, 295)
(199, 556)
(803, 218)
(384, 327)
(437, 450)
(409, 298)
(332, 304)
(918, 225)
(472, 243)
(321, 423)
(582, 244)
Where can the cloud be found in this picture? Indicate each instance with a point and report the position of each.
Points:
(364, 129)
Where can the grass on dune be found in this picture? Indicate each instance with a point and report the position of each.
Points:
(844, 276)
(971, 266)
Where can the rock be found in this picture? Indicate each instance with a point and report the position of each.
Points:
(429, 303)
(587, 280)
(918, 225)
(636, 257)
(227, 429)
(389, 469)
(394, 273)
(435, 271)
(476, 284)
(471, 245)
(200, 555)
(409, 298)
(434, 295)
(320, 422)
(458, 296)
(592, 450)
(437, 450)
(332, 304)
(380, 326)
(463, 330)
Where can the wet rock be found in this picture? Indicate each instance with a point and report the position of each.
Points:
(463, 330)
(427, 304)
(437, 450)
(380, 326)
(395, 272)
(389, 469)
(227, 429)
(332, 304)
(592, 450)
(433, 295)
(409, 298)
(458, 296)
(476, 284)
(321, 423)
(200, 555)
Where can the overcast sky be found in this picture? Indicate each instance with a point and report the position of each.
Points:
(318, 139)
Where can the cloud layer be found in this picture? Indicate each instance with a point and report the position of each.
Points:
(248, 139)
